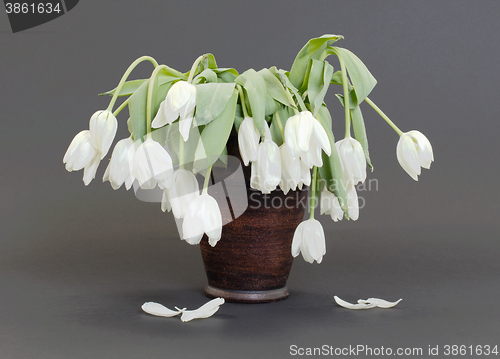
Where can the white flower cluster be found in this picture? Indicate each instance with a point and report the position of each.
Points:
(150, 164)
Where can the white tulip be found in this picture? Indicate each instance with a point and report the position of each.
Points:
(152, 165)
(202, 216)
(248, 140)
(82, 154)
(414, 151)
(119, 170)
(305, 137)
(184, 190)
(353, 160)
(329, 204)
(180, 102)
(309, 239)
(305, 175)
(266, 170)
(103, 126)
(352, 202)
(165, 202)
(290, 170)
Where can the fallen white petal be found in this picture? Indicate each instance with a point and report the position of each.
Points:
(159, 310)
(205, 311)
(348, 305)
(381, 303)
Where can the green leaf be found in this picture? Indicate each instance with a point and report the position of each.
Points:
(238, 117)
(174, 140)
(255, 88)
(137, 110)
(206, 76)
(271, 105)
(358, 125)
(312, 50)
(215, 135)
(226, 75)
(319, 80)
(280, 118)
(331, 171)
(362, 80)
(128, 88)
(208, 62)
(275, 88)
(211, 99)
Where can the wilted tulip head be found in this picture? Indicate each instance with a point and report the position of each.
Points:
(414, 151)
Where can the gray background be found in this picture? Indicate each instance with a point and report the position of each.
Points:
(76, 263)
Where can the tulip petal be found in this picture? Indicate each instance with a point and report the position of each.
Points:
(407, 155)
(248, 141)
(159, 310)
(320, 137)
(381, 303)
(160, 120)
(348, 305)
(424, 147)
(185, 127)
(205, 311)
(90, 170)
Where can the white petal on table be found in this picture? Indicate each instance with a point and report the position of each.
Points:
(381, 303)
(159, 310)
(348, 305)
(205, 311)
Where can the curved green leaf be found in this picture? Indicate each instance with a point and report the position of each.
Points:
(211, 99)
(214, 136)
(362, 80)
(275, 88)
(319, 80)
(314, 49)
(128, 88)
(256, 91)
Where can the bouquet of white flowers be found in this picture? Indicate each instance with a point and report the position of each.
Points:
(180, 123)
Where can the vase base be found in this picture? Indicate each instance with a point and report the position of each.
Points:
(243, 296)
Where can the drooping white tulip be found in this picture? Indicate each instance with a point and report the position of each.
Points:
(103, 126)
(184, 190)
(202, 216)
(290, 170)
(305, 175)
(82, 154)
(414, 151)
(152, 165)
(248, 140)
(305, 138)
(352, 202)
(119, 170)
(353, 160)
(266, 170)
(179, 102)
(329, 204)
(309, 239)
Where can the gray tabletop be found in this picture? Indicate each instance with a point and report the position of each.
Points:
(77, 263)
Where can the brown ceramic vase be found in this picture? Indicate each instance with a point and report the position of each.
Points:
(252, 260)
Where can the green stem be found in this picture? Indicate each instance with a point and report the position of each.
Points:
(345, 85)
(312, 201)
(243, 103)
(122, 106)
(126, 75)
(280, 125)
(181, 151)
(384, 116)
(150, 97)
(194, 67)
(207, 179)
